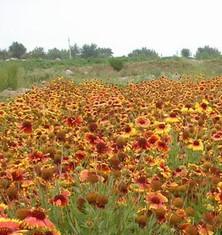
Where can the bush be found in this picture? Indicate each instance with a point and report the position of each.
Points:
(185, 52)
(144, 53)
(9, 77)
(207, 53)
(12, 71)
(116, 64)
(17, 50)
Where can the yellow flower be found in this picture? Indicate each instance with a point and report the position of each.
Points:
(172, 117)
(162, 128)
(130, 130)
(203, 107)
(196, 145)
(187, 110)
(219, 186)
(209, 207)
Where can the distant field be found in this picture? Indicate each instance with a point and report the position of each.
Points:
(20, 74)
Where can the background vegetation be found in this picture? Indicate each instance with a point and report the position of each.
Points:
(20, 68)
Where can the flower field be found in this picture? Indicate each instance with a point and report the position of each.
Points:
(97, 159)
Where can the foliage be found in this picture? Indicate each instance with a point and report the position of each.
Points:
(75, 51)
(88, 51)
(104, 52)
(3, 54)
(37, 53)
(56, 53)
(9, 76)
(207, 53)
(144, 53)
(17, 50)
(92, 51)
(185, 52)
(116, 63)
(32, 71)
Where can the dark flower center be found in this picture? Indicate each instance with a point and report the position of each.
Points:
(203, 106)
(173, 115)
(162, 125)
(196, 143)
(5, 231)
(38, 214)
(60, 197)
(155, 200)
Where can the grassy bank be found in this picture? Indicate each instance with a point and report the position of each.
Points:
(16, 74)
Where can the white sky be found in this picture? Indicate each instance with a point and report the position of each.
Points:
(123, 25)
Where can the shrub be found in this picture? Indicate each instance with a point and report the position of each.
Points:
(9, 77)
(144, 53)
(116, 64)
(17, 50)
(207, 53)
(185, 52)
(12, 71)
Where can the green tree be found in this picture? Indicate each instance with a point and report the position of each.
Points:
(104, 52)
(116, 63)
(3, 54)
(64, 54)
(38, 52)
(89, 51)
(144, 53)
(185, 53)
(17, 50)
(207, 53)
(54, 53)
(75, 51)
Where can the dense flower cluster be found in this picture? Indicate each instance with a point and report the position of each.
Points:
(160, 140)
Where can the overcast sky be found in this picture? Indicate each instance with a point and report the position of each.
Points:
(123, 25)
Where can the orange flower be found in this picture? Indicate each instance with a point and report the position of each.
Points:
(70, 121)
(80, 155)
(45, 232)
(189, 229)
(153, 139)
(156, 200)
(141, 144)
(91, 138)
(217, 136)
(203, 229)
(17, 175)
(162, 146)
(26, 127)
(142, 121)
(88, 176)
(36, 218)
(9, 226)
(36, 156)
(61, 200)
(142, 182)
(101, 147)
(78, 120)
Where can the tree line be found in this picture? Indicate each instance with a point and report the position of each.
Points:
(18, 50)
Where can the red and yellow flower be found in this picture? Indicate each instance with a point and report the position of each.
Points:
(156, 200)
